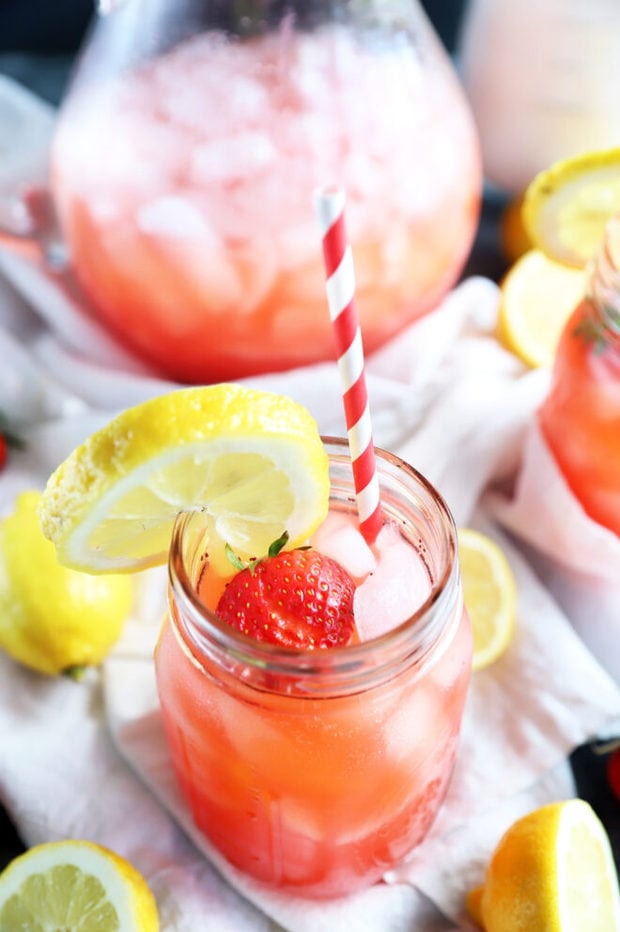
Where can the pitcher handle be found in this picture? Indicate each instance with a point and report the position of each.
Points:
(29, 227)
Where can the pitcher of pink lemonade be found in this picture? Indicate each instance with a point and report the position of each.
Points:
(186, 155)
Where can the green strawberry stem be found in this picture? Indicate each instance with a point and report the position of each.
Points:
(274, 549)
(597, 332)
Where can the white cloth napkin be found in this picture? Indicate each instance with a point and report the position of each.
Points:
(88, 760)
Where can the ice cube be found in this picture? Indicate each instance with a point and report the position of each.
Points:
(237, 157)
(414, 727)
(171, 216)
(395, 590)
(340, 539)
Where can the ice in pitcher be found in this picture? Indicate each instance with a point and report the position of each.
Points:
(199, 215)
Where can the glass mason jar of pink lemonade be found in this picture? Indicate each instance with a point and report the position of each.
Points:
(580, 417)
(187, 152)
(315, 771)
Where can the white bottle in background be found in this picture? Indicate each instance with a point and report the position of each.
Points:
(543, 80)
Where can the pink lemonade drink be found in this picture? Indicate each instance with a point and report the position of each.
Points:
(580, 417)
(315, 771)
(184, 193)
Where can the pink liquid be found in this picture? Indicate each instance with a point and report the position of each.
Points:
(185, 195)
(320, 795)
(580, 419)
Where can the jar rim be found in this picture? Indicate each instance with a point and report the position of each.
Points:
(414, 638)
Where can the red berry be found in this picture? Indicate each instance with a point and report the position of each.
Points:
(299, 598)
(613, 772)
(3, 451)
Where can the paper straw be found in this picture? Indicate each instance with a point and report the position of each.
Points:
(329, 203)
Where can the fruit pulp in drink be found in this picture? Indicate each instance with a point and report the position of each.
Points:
(184, 192)
(319, 791)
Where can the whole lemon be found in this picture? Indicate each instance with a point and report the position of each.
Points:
(53, 619)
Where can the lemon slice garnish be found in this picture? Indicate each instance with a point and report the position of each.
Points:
(253, 461)
(75, 886)
(489, 592)
(553, 869)
(537, 297)
(567, 206)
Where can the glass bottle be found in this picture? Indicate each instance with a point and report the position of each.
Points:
(316, 771)
(542, 80)
(580, 418)
(186, 155)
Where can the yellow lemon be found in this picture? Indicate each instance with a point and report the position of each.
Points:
(567, 206)
(252, 461)
(489, 592)
(75, 886)
(52, 618)
(537, 297)
(514, 238)
(553, 870)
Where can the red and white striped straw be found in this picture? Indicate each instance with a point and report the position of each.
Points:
(329, 203)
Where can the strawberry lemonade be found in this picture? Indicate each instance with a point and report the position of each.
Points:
(311, 684)
(184, 192)
(580, 418)
(316, 770)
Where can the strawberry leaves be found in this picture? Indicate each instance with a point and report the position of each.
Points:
(597, 331)
(274, 549)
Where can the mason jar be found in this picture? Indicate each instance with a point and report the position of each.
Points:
(317, 771)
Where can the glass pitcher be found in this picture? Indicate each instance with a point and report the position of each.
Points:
(187, 152)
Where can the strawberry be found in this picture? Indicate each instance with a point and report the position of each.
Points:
(613, 772)
(295, 598)
(3, 451)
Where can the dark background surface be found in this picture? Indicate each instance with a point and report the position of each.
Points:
(38, 41)
(58, 27)
(38, 38)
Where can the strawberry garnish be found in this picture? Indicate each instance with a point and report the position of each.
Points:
(295, 598)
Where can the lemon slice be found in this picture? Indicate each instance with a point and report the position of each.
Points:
(53, 619)
(553, 869)
(537, 297)
(253, 461)
(75, 886)
(489, 592)
(567, 206)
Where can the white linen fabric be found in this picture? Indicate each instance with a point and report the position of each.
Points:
(89, 760)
